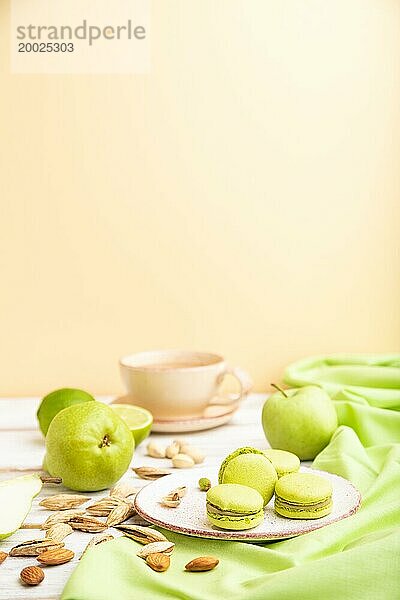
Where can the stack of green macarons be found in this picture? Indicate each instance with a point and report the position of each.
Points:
(248, 478)
(249, 466)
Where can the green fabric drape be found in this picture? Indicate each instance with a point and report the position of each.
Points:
(357, 558)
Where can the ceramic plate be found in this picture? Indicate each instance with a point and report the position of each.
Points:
(190, 517)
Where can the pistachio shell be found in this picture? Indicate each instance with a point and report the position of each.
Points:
(170, 503)
(123, 489)
(154, 547)
(150, 472)
(143, 535)
(59, 531)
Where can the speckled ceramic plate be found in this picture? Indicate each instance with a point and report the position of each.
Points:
(190, 517)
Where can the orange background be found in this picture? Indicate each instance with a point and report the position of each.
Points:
(243, 197)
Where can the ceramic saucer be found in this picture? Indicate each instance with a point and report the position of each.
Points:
(214, 416)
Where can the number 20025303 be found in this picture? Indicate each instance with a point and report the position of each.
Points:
(46, 47)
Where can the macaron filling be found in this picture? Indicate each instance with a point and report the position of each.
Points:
(218, 511)
(234, 506)
(301, 508)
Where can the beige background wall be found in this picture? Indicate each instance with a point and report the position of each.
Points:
(243, 197)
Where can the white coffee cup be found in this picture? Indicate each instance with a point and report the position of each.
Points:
(179, 384)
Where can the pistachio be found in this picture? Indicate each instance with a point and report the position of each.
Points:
(165, 547)
(50, 480)
(150, 473)
(96, 540)
(170, 503)
(63, 501)
(155, 451)
(180, 442)
(123, 490)
(194, 453)
(88, 524)
(143, 535)
(103, 506)
(35, 547)
(62, 516)
(185, 448)
(172, 450)
(58, 532)
(173, 499)
(182, 461)
(172, 496)
(122, 512)
(204, 484)
(181, 491)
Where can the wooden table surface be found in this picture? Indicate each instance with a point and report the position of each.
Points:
(22, 450)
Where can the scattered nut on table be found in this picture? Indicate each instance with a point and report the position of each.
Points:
(182, 461)
(202, 563)
(155, 451)
(204, 484)
(32, 575)
(158, 561)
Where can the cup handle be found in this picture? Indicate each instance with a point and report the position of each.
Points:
(245, 383)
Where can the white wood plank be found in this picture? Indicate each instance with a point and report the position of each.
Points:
(22, 447)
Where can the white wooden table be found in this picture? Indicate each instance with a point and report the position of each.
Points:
(22, 450)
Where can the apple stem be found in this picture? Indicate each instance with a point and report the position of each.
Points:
(279, 389)
(105, 441)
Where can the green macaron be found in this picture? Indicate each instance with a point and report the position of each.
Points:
(234, 506)
(283, 461)
(303, 496)
(249, 466)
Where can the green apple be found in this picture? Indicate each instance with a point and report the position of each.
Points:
(89, 446)
(16, 497)
(300, 420)
(56, 401)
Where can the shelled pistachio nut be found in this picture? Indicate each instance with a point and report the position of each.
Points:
(183, 461)
(194, 452)
(155, 451)
(172, 450)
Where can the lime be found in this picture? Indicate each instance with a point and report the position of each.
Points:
(56, 401)
(138, 419)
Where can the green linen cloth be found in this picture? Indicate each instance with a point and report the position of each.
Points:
(355, 559)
